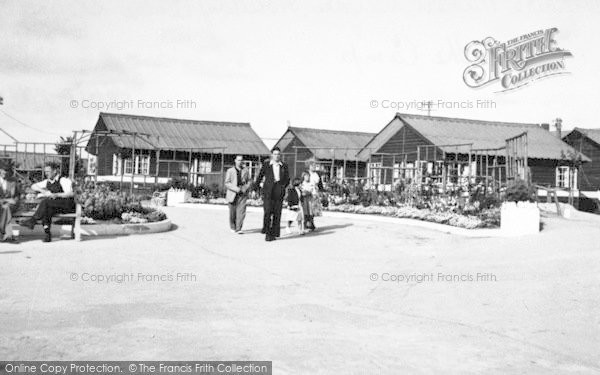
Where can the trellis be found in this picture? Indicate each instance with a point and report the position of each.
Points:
(98, 137)
(331, 162)
(23, 153)
(494, 167)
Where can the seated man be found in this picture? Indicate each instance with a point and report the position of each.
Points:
(9, 201)
(57, 198)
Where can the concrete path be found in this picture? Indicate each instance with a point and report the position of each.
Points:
(322, 303)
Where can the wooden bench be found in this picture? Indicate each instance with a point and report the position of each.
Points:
(74, 218)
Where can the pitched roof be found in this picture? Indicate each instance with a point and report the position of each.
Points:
(178, 134)
(482, 134)
(593, 134)
(327, 144)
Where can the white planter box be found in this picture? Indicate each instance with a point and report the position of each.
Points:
(175, 196)
(517, 218)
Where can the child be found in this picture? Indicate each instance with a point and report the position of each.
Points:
(309, 194)
(294, 211)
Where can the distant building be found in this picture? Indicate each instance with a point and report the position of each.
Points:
(334, 151)
(587, 141)
(31, 164)
(449, 148)
(147, 149)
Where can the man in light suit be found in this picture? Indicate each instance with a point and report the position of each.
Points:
(276, 179)
(9, 200)
(237, 182)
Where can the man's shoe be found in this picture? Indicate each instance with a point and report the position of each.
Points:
(269, 238)
(239, 231)
(263, 231)
(28, 223)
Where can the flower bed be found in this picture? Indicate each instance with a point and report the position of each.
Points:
(100, 204)
(221, 201)
(484, 218)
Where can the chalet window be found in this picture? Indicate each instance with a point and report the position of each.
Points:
(375, 172)
(429, 168)
(128, 166)
(339, 172)
(204, 166)
(184, 168)
(566, 177)
(409, 172)
(250, 166)
(143, 164)
(116, 166)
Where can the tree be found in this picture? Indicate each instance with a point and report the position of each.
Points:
(63, 147)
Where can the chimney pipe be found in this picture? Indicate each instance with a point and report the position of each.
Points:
(558, 125)
(546, 126)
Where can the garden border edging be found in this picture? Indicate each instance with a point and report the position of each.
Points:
(480, 232)
(95, 230)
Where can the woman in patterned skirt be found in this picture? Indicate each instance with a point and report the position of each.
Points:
(312, 186)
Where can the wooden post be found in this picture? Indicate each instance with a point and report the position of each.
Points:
(382, 173)
(507, 161)
(132, 165)
(331, 176)
(470, 169)
(295, 161)
(72, 157)
(384, 176)
(394, 168)
(77, 224)
(369, 170)
(169, 168)
(418, 167)
(97, 161)
(487, 166)
(526, 159)
(157, 153)
(190, 166)
(222, 167)
(444, 172)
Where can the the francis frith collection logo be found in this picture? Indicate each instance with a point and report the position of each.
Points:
(514, 63)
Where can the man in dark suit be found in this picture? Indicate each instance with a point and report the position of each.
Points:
(276, 179)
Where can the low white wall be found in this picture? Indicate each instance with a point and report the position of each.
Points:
(518, 218)
(175, 196)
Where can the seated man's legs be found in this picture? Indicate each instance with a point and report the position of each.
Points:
(47, 209)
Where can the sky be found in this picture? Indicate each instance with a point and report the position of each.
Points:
(320, 64)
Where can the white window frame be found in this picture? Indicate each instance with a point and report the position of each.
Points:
(375, 173)
(116, 166)
(339, 173)
(142, 164)
(204, 166)
(127, 165)
(396, 171)
(563, 174)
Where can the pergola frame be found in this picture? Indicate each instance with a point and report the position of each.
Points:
(86, 136)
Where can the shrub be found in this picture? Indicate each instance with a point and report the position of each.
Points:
(520, 191)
